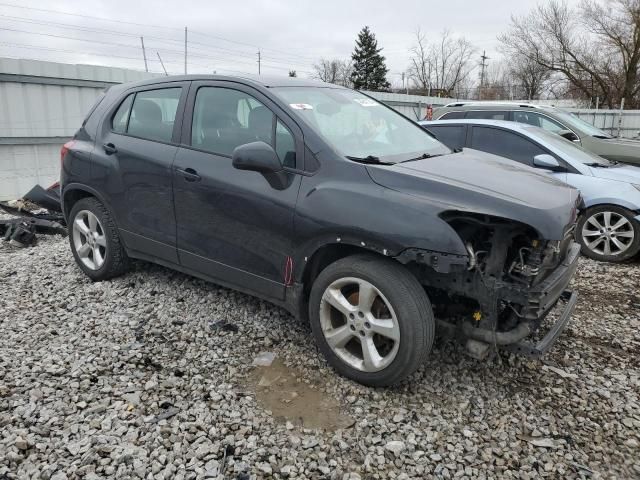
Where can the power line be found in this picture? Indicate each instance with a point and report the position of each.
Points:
(161, 39)
(136, 47)
(143, 25)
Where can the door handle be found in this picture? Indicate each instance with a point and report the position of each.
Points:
(109, 148)
(189, 174)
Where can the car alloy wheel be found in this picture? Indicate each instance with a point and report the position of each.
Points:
(89, 240)
(359, 324)
(608, 233)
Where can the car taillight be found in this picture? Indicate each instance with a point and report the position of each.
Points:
(65, 148)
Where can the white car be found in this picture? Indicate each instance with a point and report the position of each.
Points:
(609, 228)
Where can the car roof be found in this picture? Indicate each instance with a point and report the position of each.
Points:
(260, 80)
(493, 105)
(515, 126)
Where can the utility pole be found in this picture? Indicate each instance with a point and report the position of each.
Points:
(185, 50)
(483, 65)
(259, 58)
(144, 55)
(162, 63)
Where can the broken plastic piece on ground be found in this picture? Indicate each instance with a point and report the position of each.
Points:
(20, 234)
(224, 326)
(38, 225)
(264, 359)
(49, 198)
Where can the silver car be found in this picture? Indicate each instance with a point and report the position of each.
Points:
(553, 119)
(609, 227)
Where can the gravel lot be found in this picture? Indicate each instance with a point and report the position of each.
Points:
(150, 376)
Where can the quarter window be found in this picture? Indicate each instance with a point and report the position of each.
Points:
(154, 113)
(120, 119)
(285, 145)
(504, 143)
(224, 119)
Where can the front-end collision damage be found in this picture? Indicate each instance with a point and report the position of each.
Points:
(500, 292)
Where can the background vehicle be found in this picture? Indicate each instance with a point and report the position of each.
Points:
(609, 228)
(553, 120)
(328, 203)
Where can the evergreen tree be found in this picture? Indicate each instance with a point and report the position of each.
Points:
(292, 73)
(369, 69)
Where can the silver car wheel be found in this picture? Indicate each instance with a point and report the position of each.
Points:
(359, 324)
(89, 240)
(608, 233)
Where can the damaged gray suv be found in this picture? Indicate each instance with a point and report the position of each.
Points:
(328, 203)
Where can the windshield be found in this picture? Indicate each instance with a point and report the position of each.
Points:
(576, 122)
(359, 127)
(569, 150)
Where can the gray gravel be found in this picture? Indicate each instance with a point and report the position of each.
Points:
(150, 376)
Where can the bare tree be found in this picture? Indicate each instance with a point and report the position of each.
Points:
(333, 71)
(595, 47)
(420, 68)
(528, 77)
(440, 67)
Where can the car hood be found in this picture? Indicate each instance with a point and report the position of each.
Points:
(473, 181)
(621, 173)
(627, 142)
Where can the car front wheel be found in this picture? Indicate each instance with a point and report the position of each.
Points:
(371, 319)
(609, 233)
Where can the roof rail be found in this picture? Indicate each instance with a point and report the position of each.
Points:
(491, 104)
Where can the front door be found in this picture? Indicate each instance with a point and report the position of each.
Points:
(232, 225)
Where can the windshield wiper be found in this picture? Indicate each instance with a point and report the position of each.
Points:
(423, 157)
(604, 137)
(597, 164)
(370, 159)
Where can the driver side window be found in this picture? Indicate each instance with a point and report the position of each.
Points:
(224, 119)
(538, 120)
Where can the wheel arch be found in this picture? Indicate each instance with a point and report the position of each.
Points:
(74, 192)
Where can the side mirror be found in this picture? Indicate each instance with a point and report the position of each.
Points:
(546, 161)
(256, 156)
(261, 157)
(569, 135)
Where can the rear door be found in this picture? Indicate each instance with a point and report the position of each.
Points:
(132, 164)
(232, 225)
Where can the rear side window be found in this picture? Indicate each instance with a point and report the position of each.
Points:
(453, 136)
(452, 116)
(488, 114)
(224, 119)
(153, 114)
(504, 143)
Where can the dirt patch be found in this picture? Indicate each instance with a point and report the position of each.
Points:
(282, 390)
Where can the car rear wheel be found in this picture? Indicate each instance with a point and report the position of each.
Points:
(609, 233)
(371, 319)
(95, 242)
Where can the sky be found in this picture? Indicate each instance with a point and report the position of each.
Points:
(225, 36)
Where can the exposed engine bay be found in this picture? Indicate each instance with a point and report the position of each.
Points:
(501, 292)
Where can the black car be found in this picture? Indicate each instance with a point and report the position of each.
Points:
(326, 202)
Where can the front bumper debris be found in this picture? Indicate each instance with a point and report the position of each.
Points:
(538, 349)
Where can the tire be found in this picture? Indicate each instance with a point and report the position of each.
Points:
(100, 255)
(394, 303)
(601, 239)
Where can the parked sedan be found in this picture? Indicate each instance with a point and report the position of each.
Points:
(609, 228)
(552, 119)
